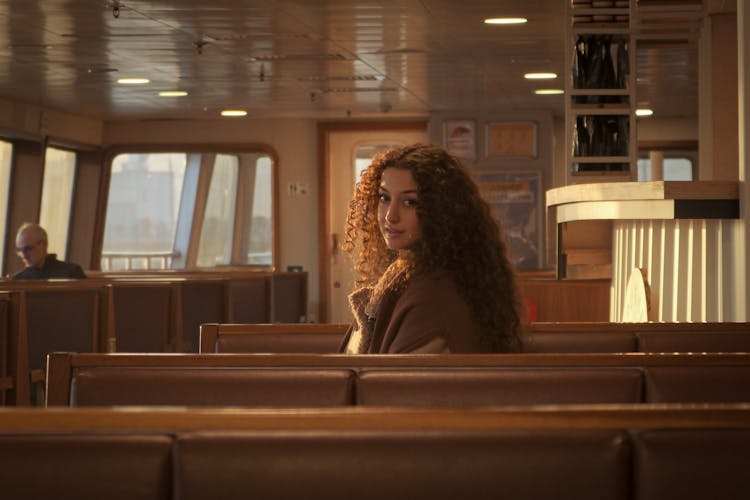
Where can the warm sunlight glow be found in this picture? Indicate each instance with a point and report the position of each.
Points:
(548, 91)
(644, 112)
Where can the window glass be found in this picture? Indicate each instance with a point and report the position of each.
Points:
(142, 209)
(186, 210)
(57, 196)
(261, 225)
(217, 232)
(6, 154)
(364, 155)
(673, 169)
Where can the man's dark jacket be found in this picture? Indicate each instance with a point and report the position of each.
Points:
(52, 268)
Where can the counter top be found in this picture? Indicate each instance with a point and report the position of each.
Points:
(646, 200)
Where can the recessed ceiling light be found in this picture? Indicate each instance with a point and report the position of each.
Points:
(506, 20)
(172, 93)
(540, 76)
(234, 112)
(133, 81)
(549, 91)
(644, 112)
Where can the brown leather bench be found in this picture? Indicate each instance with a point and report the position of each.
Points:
(86, 465)
(707, 384)
(691, 463)
(466, 387)
(326, 338)
(50, 316)
(6, 378)
(692, 341)
(606, 326)
(583, 341)
(321, 338)
(567, 452)
(278, 388)
(333, 464)
(155, 375)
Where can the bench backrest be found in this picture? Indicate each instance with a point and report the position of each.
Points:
(423, 380)
(337, 464)
(272, 338)
(585, 341)
(691, 463)
(147, 316)
(612, 451)
(686, 341)
(155, 386)
(6, 378)
(86, 465)
(465, 387)
(707, 384)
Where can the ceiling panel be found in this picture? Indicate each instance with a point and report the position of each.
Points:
(307, 58)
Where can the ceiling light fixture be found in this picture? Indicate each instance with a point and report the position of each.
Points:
(506, 20)
(133, 81)
(549, 91)
(644, 112)
(540, 76)
(234, 112)
(172, 93)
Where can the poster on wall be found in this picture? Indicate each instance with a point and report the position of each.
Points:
(515, 200)
(459, 137)
(511, 140)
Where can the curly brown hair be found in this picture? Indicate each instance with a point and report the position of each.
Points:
(458, 236)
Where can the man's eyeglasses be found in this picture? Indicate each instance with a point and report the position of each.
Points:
(28, 248)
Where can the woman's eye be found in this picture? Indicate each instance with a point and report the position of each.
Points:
(384, 197)
(410, 203)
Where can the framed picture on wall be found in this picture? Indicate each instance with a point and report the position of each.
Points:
(515, 198)
(460, 138)
(511, 140)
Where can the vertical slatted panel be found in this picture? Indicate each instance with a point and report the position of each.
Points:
(713, 272)
(688, 263)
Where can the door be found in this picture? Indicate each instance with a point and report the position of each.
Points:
(349, 151)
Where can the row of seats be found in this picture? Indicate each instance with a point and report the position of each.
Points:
(537, 338)
(391, 380)
(157, 314)
(538, 453)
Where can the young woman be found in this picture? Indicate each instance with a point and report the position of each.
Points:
(433, 271)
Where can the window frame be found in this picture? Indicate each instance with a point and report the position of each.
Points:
(188, 230)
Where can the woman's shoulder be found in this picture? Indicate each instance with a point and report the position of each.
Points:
(437, 290)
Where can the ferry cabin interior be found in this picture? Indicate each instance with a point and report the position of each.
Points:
(228, 134)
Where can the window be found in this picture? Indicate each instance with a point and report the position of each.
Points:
(186, 210)
(364, 155)
(261, 226)
(142, 209)
(218, 222)
(6, 154)
(676, 166)
(57, 197)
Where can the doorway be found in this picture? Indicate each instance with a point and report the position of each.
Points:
(345, 150)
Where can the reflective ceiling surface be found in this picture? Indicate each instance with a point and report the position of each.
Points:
(306, 58)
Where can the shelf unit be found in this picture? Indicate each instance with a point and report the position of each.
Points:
(600, 126)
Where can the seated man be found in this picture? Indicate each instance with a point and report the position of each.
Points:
(31, 245)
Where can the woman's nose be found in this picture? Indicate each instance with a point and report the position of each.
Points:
(392, 214)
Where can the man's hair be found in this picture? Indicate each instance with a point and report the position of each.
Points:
(34, 227)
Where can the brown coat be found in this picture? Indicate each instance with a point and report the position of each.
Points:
(429, 316)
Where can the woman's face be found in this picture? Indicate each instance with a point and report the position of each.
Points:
(397, 208)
